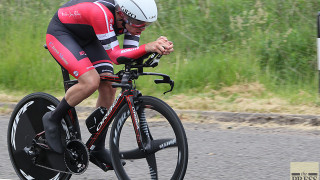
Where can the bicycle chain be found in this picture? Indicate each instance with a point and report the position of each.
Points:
(66, 172)
(56, 170)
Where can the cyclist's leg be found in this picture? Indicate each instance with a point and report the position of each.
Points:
(100, 60)
(67, 52)
(103, 65)
(106, 94)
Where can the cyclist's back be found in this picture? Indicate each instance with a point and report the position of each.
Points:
(84, 23)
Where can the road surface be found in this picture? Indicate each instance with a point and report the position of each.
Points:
(219, 152)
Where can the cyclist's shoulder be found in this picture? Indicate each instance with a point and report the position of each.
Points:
(75, 2)
(92, 10)
(87, 5)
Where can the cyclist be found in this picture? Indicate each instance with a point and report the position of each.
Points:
(82, 37)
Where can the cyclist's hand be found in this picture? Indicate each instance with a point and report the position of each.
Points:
(161, 46)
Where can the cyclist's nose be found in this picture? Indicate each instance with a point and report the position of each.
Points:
(143, 28)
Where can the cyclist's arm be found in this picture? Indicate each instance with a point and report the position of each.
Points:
(102, 22)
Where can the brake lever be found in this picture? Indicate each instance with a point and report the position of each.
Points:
(156, 60)
(166, 80)
(153, 55)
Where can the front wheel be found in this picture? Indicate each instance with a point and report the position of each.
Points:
(165, 153)
(25, 123)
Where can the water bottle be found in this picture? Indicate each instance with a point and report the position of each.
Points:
(95, 118)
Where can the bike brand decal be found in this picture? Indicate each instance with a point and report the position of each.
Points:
(144, 125)
(51, 108)
(16, 121)
(92, 147)
(135, 117)
(109, 111)
(166, 144)
(127, 12)
(153, 173)
(26, 176)
(56, 177)
(121, 120)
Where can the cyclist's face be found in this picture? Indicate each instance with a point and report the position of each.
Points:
(135, 30)
(133, 26)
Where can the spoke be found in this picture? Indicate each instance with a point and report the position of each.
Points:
(152, 162)
(155, 146)
(132, 154)
(160, 144)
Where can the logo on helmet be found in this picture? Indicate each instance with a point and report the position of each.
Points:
(152, 17)
(127, 12)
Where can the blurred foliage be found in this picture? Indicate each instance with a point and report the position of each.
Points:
(217, 43)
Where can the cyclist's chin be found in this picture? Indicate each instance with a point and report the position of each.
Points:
(134, 32)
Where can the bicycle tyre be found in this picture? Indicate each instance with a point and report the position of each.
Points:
(25, 122)
(150, 105)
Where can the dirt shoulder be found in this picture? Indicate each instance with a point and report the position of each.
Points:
(238, 105)
(227, 120)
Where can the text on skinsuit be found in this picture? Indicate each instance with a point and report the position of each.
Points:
(128, 50)
(59, 54)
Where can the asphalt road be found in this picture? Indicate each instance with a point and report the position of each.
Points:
(216, 152)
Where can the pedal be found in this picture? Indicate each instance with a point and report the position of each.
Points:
(101, 165)
(105, 167)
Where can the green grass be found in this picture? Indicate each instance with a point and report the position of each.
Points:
(217, 44)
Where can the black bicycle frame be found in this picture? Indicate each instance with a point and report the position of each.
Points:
(126, 96)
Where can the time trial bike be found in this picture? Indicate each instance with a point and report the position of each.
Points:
(145, 132)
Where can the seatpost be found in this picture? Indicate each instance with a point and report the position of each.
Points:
(66, 78)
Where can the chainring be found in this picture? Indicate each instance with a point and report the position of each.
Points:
(76, 157)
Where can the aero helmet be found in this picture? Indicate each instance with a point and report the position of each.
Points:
(138, 12)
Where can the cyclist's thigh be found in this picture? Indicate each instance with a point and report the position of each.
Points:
(99, 57)
(66, 50)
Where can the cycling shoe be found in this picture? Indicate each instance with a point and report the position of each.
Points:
(52, 130)
(102, 159)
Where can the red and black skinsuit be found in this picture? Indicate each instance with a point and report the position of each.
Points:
(82, 35)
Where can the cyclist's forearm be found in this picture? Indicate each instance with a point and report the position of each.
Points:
(133, 53)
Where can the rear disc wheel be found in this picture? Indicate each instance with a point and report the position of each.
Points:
(25, 123)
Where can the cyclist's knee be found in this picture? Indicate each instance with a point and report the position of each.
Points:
(106, 87)
(90, 80)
